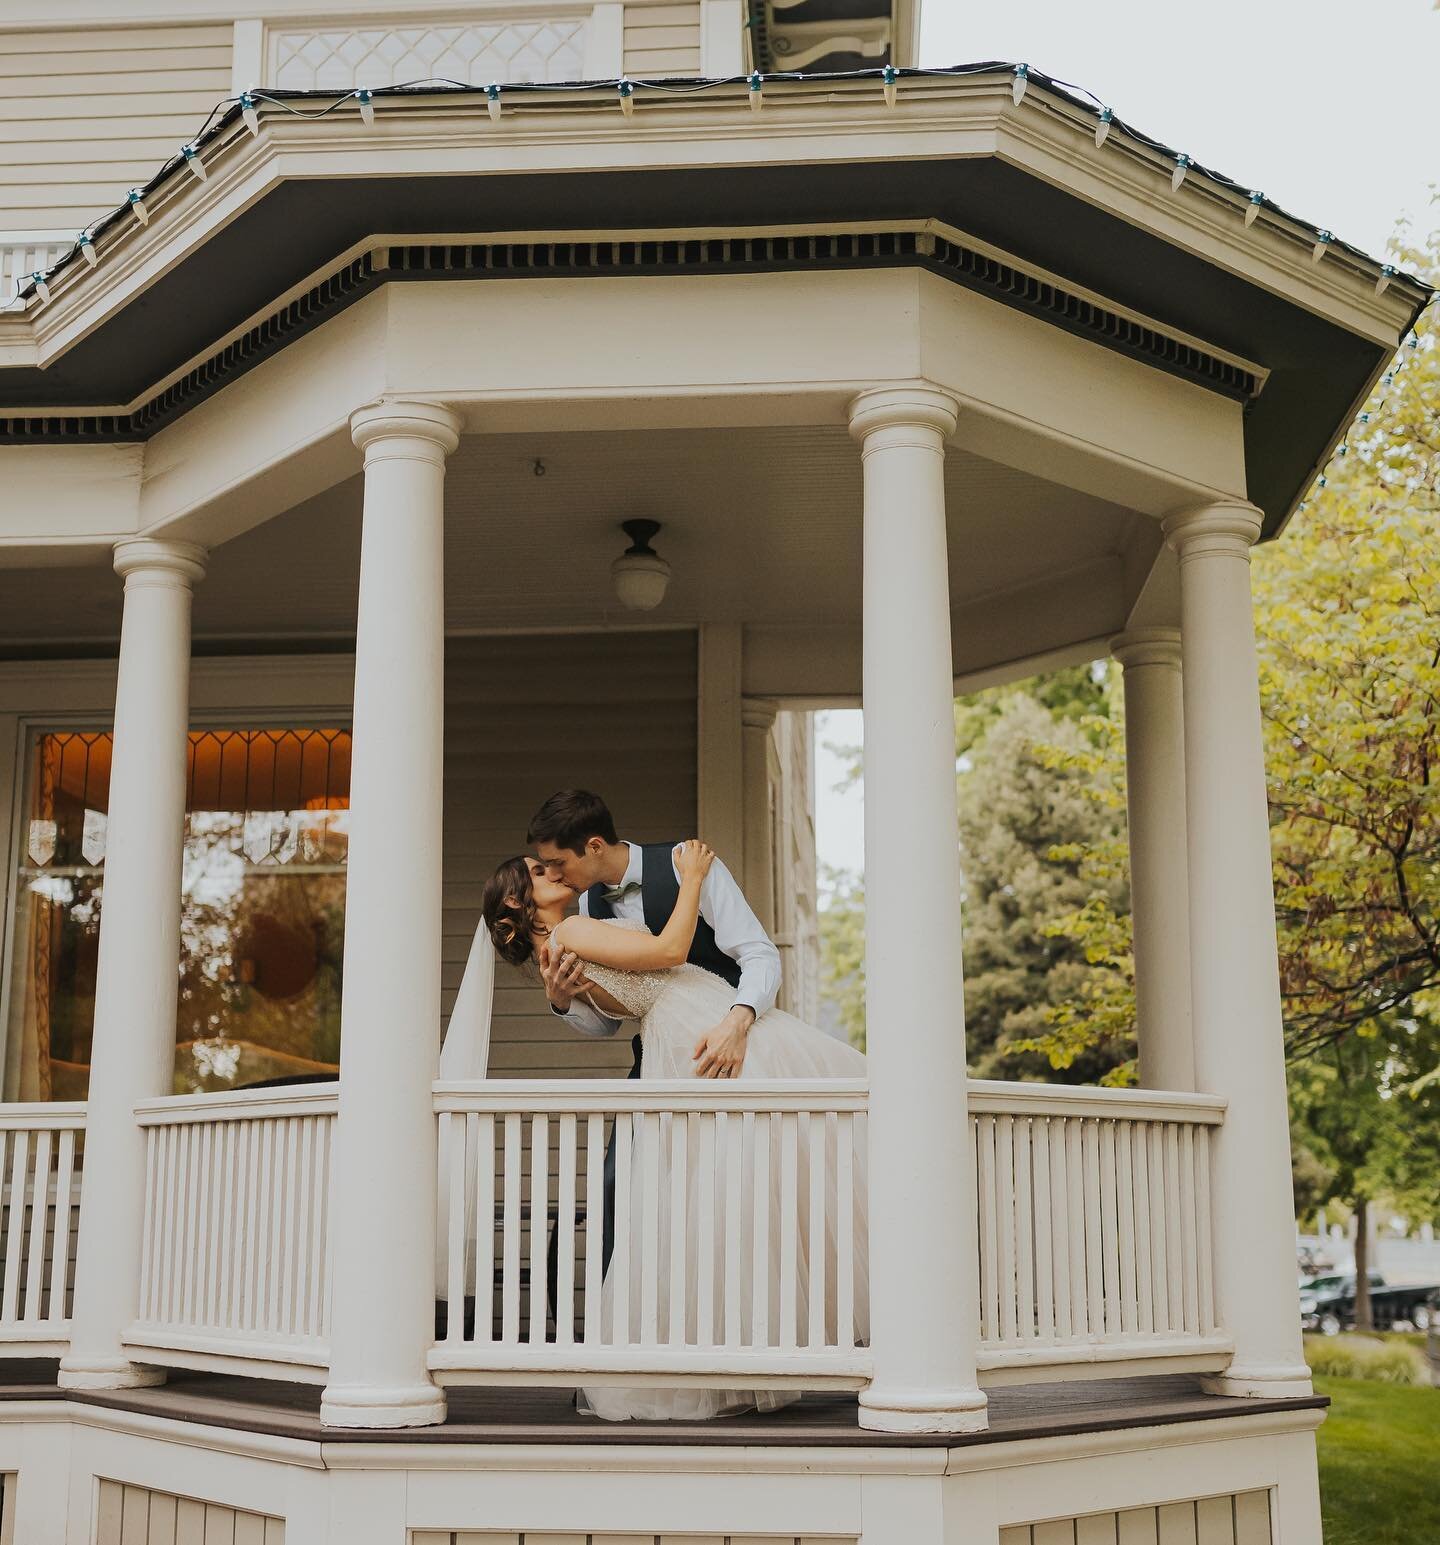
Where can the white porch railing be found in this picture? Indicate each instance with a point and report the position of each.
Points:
(736, 1259)
(39, 1207)
(23, 253)
(235, 1265)
(1094, 1211)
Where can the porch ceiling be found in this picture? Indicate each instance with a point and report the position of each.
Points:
(761, 526)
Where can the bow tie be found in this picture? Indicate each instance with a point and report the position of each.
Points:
(620, 892)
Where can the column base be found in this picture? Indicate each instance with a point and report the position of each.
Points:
(374, 1405)
(1259, 1381)
(923, 1410)
(107, 1373)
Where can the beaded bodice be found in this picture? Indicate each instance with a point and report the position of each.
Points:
(639, 991)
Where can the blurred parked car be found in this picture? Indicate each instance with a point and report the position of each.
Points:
(1327, 1304)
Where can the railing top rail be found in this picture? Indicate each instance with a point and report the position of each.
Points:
(574, 1096)
(54, 1116)
(992, 1097)
(240, 1104)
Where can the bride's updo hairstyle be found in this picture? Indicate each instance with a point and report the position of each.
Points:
(510, 927)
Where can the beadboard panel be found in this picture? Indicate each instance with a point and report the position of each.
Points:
(135, 1515)
(86, 114)
(1239, 1519)
(662, 40)
(525, 716)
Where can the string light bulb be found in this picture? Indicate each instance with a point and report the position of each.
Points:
(41, 288)
(1183, 164)
(250, 112)
(626, 89)
(1252, 209)
(890, 84)
(1018, 85)
(193, 161)
(1102, 127)
(1322, 241)
(756, 83)
(366, 100)
(1387, 273)
(492, 102)
(137, 206)
(87, 249)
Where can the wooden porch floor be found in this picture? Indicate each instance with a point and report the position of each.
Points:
(496, 1415)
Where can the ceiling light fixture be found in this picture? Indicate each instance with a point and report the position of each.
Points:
(640, 574)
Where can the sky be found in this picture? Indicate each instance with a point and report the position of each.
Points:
(1330, 108)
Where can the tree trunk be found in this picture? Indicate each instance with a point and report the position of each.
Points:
(1364, 1320)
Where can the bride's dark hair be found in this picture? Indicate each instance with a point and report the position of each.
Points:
(510, 927)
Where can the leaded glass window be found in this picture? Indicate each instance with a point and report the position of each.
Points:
(262, 909)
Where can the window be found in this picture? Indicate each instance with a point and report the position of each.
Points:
(262, 914)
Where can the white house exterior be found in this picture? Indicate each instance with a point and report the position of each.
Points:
(933, 379)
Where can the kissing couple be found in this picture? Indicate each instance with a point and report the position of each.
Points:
(665, 938)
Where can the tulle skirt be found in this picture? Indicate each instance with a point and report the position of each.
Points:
(672, 1164)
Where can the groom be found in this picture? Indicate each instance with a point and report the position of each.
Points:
(573, 834)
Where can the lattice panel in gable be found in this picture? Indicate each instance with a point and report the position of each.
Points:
(336, 59)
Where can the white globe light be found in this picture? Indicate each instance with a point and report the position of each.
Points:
(640, 575)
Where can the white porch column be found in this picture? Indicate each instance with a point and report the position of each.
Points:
(1159, 888)
(138, 972)
(382, 1314)
(757, 718)
(924, 1295)
(1239, 1051)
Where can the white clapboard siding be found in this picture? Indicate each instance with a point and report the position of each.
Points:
(547, 1537)
(88, 113)
(136, 1515)
(662, 39)
(1239, 1519)
(525, 716)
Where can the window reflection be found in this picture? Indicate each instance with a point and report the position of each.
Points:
(262, 914)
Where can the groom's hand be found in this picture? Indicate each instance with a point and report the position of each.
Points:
(563, 974)
(720, 1053)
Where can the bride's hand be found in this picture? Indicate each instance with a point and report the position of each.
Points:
(693, 858)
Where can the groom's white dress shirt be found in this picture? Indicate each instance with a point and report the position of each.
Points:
(737, 933)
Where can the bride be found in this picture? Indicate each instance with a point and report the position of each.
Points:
(633, 974)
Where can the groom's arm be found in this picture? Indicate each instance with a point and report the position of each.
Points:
(739, 934)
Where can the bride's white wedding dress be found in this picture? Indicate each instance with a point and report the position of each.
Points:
(675, 1008)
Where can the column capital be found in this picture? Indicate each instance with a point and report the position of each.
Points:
(758, 713)
(417, 431)
(1228, 526)
(1147, 646)
(918, 406)
(148, 560)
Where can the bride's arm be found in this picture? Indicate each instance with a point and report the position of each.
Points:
(630, 950)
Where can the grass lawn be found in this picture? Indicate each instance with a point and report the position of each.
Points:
(1379, 1463)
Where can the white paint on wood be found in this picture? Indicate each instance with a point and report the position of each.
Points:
(1239, 1519)
(137, 1515)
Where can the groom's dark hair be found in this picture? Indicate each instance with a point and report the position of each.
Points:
(570, 819)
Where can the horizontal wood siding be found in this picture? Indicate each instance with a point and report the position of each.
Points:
(85, 115)
(485, 1537)
(662, 40)
(526, 716)
(1242, 1519)
(135, 1515)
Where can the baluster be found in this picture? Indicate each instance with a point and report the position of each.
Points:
(1076, 1232)
(1108, 1228)
(678, 1296)
(649, 1227)
(1203, 1246)
(183, 1225)
(1155, 1163)
(816, 1335)
(1044, 1257)
(760, 1234)
(452, 1135)
(148, 1237)
(510, 1267)
(252, 1252)
(1144, 1229)
(325, 1191)
(846, 1137)
(225, 1161)
(706, 1225)
(594, 1215)
(734, 1135)
(1061, 1226)
(39, 1214)
(1174, 1256)
(1005, 1215)
(1187, 1228)
(539, 1218)
(622, 1255)
(789, 1225)
(1094, 1270)
(984, 1128)
(60, 1248)
(301, 1324)
(288, 1137)
(1125, 1218)
(269, 1224)
(480, 1130)
(565, 1228)
(1024, 1232)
